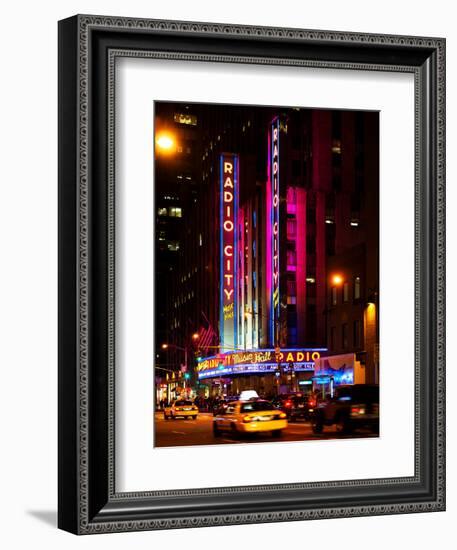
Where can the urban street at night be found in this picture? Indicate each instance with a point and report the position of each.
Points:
(267, 274)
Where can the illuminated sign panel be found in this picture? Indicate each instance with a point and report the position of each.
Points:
(274, 221)
(228, 250)
(257, 361)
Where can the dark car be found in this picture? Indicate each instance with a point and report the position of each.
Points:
(296, 405)
(220, 405)
(351, 407)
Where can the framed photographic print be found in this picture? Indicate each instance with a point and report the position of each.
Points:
(251, 274)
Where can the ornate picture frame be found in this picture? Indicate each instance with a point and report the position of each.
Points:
(88, 48)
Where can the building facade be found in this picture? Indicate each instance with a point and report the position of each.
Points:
(279, 202)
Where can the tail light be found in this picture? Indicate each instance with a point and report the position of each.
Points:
(288, 404)
(312, 402)
(283, 415)
(357, 409)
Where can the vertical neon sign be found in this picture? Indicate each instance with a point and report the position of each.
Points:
(274, 182)
(228, 322)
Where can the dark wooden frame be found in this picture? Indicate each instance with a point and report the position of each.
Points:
(88, 46)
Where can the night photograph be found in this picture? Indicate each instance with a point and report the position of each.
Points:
(266, 274)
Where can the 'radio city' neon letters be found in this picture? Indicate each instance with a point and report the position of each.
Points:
(274, 180)
(228, 247)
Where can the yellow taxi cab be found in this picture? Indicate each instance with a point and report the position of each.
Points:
(181, 408)
(250, 416)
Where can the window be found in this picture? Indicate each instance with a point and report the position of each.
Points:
(334, 296)
(357, 335)
(291, 287)
(344, 336)
(162, 211)
(175, 211)
(357, 288)
(346, 292)
(291, 257)
(173, 246)
(291, 229)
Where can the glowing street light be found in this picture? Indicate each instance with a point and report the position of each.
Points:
(195, 336)
(337, 279)
(165, 142)
(164, 346)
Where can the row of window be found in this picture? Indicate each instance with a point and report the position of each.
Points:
(344, 335)
(171, 211)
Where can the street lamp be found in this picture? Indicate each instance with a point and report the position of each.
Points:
(165, 142)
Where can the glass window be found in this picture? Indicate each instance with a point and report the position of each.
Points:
(291, 257)
(346, 292)
(291, 287)
(257, 406)
(334, 295)
(175, 211)
(291, 229)
(173, 246)
(357, 288)
(162, 211)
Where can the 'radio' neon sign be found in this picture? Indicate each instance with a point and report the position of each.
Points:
(228, 248)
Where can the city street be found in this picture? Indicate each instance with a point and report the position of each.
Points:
(172, 433)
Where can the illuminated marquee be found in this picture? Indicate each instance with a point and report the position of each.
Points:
(274, 216)
(229, 249)
(257, 361)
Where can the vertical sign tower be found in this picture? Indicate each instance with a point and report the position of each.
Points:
(274, 181)
(228, 302)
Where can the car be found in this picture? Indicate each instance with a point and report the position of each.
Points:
(296, 405)
(351, 407)
(220, 405)
(181, 408)
(249, 417)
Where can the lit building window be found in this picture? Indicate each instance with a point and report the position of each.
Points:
(173, 246)
(184, 118)
(291, 299)
(162, 211)
(346, 292)
(357, 288)
(200, 240)
(310, 280)
(175, 211)
(336, 147)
